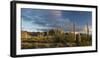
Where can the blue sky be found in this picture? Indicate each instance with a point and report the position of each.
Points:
(35, 20)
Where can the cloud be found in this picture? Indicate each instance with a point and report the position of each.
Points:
(42, 20)
(46, 18)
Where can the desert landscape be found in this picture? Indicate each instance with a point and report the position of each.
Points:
(42, 28)
(54, 38)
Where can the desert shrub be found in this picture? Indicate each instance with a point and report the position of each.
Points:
(58, 36)
(27, 46)
(86, 40)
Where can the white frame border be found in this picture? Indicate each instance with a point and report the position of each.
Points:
(52, 50)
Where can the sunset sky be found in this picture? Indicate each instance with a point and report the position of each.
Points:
(35, 20)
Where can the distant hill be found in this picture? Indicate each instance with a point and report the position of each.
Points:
(25, 35)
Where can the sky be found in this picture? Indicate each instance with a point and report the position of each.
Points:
(38, 20)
